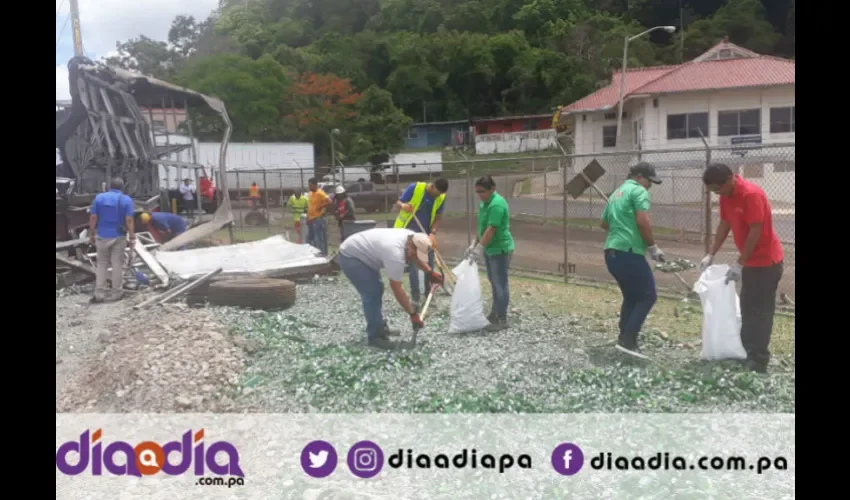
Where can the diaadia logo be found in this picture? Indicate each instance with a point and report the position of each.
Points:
(147, 458)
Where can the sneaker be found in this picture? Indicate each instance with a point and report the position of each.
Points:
(630, 348)
(492, 318)
(497, 326)
(756, 366)
(382, 342)
(386, 331)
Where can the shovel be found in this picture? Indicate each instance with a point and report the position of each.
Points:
(416, 329)
(439, 258)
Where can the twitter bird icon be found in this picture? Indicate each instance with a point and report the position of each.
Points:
(318, 459)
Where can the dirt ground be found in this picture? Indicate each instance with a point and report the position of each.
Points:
(112, 358)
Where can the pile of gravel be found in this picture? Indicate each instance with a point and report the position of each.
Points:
(313, 358)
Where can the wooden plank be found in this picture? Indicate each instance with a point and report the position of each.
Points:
(150, 261)
(76, 265)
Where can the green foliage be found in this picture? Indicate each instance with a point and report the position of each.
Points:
(443, 60)
(251, 89)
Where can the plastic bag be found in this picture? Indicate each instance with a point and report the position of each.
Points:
(721, 321)
(467, 313)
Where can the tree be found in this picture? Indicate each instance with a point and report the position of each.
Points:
(317, 104)
(251, 91)
(378, 128)
(146, 56)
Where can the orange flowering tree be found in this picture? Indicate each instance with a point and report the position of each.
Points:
(317, 103)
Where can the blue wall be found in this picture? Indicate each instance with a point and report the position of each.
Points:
(428, 136)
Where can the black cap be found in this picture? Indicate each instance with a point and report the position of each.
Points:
(646, 171)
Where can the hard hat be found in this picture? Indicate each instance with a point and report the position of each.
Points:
(146, 218)
(339, 190)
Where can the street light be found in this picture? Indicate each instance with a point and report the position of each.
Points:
(668, 29)
(332, 133)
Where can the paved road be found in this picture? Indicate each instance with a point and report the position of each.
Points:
(676, 217)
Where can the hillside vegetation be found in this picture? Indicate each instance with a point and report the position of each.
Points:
(295, 69)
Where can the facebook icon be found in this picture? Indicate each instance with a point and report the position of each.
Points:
(567, 459)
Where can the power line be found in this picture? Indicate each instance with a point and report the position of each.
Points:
(60, 7)
(58, 38)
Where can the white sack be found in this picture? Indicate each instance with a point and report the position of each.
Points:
(467, 306)
(721, 320)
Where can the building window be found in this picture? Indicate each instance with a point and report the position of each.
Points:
(158, 124)
(609, 136)
(412, 133)
(783, 120)
(687, 126)
(482, 129)
(740, 122)
(784, 166)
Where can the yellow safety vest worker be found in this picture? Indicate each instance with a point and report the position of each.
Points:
(404, 218)
(298, 206)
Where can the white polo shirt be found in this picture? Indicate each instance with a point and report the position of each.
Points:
(379, 248)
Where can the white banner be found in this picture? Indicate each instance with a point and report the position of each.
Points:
(392, 456)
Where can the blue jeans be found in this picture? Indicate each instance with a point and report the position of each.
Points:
(497, 273)
(414, 277)
(317, 234)
(370, 286)
(634, 276)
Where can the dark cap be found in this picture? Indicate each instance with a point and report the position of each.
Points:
(646, 171)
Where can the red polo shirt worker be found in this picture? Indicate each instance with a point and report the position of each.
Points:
(745, 210)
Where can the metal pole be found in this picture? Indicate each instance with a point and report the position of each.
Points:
(239, 199)
(266, 203)
(622, 89)
(566, 234)
(75, 24)
(545, 194)
(191, 131)
(469, 205)
(333, 157)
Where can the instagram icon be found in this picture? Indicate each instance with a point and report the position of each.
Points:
(365, 459)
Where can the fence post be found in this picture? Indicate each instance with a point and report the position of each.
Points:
(469, 205)
(239, 199)
(545, 194)
(198, 192)
(266, 203)
(282, 200)
(566, 231)
(706, 206)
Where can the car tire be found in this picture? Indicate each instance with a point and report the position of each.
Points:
(252, 293)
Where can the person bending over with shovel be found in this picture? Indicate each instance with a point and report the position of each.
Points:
(361, 258)
(626, 218)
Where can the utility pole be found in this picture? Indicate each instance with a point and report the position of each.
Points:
(75, 24)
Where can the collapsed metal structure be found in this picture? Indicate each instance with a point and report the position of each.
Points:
(104, 134)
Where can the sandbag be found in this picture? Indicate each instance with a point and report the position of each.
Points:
(467, 313)
(721, 320)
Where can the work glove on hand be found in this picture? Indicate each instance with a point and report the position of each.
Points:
(435, 278)
(706, 262)
(474, 253)
(416, 320)
(734, 273)
(656, 253)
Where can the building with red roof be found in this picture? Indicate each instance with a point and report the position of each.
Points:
(730, 95)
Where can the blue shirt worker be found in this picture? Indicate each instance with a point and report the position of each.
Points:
(110, 230)
(426, 201)
(170, 225)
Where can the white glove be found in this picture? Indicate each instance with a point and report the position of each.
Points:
(656, 254)
(705, 262)
(734, 273)
(474, 252)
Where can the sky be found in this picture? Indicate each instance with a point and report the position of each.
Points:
(105, 22)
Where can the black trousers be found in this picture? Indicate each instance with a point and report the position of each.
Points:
(758, 305)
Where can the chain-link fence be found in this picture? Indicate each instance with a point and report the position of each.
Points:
(554, 235)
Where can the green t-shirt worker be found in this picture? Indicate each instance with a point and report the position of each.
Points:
(496, 245)
(626, 218)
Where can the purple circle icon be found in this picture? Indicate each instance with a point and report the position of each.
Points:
(365, 459)
(318, 459)
(567, 459)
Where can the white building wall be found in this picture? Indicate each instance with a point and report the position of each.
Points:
(683, 185)
(516, 142)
